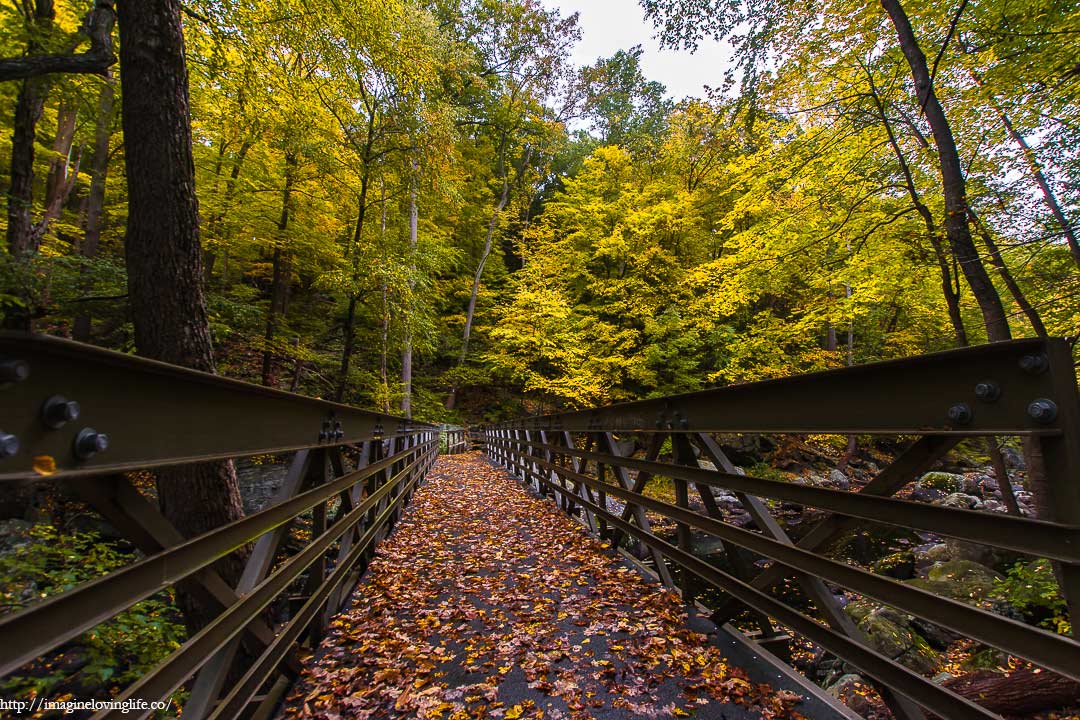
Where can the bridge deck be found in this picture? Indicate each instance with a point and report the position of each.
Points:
(489, 602)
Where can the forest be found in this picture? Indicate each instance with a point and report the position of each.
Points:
(426, 207)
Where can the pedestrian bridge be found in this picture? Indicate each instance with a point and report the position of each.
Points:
(537, 575)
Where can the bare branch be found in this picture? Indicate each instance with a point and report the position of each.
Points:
(95, 61)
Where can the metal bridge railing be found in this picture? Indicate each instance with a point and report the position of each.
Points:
(84, 416)
(453, 440)
(1023, 388)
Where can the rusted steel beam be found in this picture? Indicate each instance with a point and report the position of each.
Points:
(171, 673)
(1035, 537)
(38, 628)
(1055, 652)
(925, 692)
(152, 414)
(981, 390)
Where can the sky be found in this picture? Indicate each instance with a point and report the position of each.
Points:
(611, 25)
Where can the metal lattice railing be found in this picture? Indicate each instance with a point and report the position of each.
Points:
(84, 417)
(1023, 388)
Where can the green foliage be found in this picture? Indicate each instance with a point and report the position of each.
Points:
(1032, 589)
(116, 652)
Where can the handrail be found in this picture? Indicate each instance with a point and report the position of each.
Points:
(1020, 388)
(351, 473)
(453, 440)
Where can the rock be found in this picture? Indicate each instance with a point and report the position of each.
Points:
(926, 495)
(994, 506)
(899, 565)
(963, 550)
(960, 500)
(1013, 458)
(95, 525)
(938, 553)
(959, 579)
(706, 465)
(839, 479)
(892, 636)
(937, 637)
(946, 482)
(724, 497)
(14, 527)
(851, 690)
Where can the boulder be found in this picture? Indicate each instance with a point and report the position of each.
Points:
(961, 501)
(851, 690)
(891, 633)
(946, 482)
(899, 565)
(959, 579)
(925, 494)
(839, 480)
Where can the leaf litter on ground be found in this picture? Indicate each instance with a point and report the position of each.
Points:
(488, 602)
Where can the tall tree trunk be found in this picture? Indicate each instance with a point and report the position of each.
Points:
(350, 318)
(96, 202)
(279, 288)
(1007, 277)
(164, 262)
(951, 293)
(214, 225)
(28, 109)
(63, 173)
(953, 185)
(384, 308)
(407, 348)
(95, 205)
(503, 198)
(60, 163)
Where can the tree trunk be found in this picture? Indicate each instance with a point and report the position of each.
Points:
(63, 173)
(951, 293)
(350, 318)
(1007, 277)
(95, 205)
(1022, 692)
(407, 349)
(503, 198)
(163, 255)
(215, 222)
(953, 185)
(28, 110)
(60, 163)
(279, 288)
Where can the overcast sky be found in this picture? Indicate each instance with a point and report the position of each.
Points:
(611, 25)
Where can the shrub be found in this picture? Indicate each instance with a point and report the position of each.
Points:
(112, 654)
(1032, 589)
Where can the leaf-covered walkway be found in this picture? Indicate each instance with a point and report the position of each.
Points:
(487, 602)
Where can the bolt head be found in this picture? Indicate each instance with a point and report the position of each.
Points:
(960, 414)
(13, 371)
(1035, 363)
(90, 442)
(1043, 410)
(988, 391)
(58, 411)
(9, 445)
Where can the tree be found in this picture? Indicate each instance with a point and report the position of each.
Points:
(164, 257)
